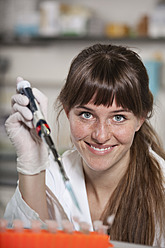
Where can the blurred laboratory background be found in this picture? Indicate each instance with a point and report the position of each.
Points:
(39, 39)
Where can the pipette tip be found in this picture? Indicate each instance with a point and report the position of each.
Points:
(69, 187)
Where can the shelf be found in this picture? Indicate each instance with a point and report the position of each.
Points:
(41, 40)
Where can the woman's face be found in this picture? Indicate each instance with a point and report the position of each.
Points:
(103, 135)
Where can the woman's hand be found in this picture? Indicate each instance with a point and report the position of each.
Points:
(32, 154)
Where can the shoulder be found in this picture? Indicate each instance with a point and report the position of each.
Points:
(71, 162)
(72, 165)
(71, 157)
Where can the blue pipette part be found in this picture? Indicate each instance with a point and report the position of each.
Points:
(69, 188)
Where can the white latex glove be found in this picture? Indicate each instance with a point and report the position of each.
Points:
(32, 153)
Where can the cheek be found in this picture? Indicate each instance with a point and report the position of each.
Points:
(78, 130)
(125, 135)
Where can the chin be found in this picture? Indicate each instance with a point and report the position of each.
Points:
(97, 166)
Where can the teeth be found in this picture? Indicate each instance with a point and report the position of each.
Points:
(102, 149)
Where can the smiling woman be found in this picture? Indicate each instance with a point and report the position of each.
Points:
(104, 134)
(107, 100)
(117, 165)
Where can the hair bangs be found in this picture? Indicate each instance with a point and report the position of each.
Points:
(98, 94)
(104, 92)
(96, 84)
(102, 74)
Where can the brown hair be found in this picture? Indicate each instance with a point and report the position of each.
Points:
(102, 72)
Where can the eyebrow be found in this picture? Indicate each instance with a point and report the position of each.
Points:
(115, 111)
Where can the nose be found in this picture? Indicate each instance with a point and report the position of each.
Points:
(102, 132)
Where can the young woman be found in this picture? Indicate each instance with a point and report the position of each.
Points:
(116, 166)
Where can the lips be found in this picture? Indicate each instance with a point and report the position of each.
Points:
(99, 148)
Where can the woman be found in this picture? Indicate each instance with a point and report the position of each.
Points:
(117, 164)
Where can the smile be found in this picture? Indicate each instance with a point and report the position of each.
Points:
(98, 149)
(101, 149)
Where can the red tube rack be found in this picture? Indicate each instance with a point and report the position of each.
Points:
(27, 238)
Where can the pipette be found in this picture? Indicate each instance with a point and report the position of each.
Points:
(43, 131)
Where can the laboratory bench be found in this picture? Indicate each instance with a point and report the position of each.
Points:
(118, 244)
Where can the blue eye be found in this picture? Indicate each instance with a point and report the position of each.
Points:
(119, 118)
(86, 115)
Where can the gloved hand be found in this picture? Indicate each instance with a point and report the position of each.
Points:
(32, 153)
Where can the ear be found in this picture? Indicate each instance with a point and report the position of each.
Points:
(140, 123)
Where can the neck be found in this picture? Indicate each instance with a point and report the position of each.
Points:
(101, 184)
(99, 191)
(106, 180)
